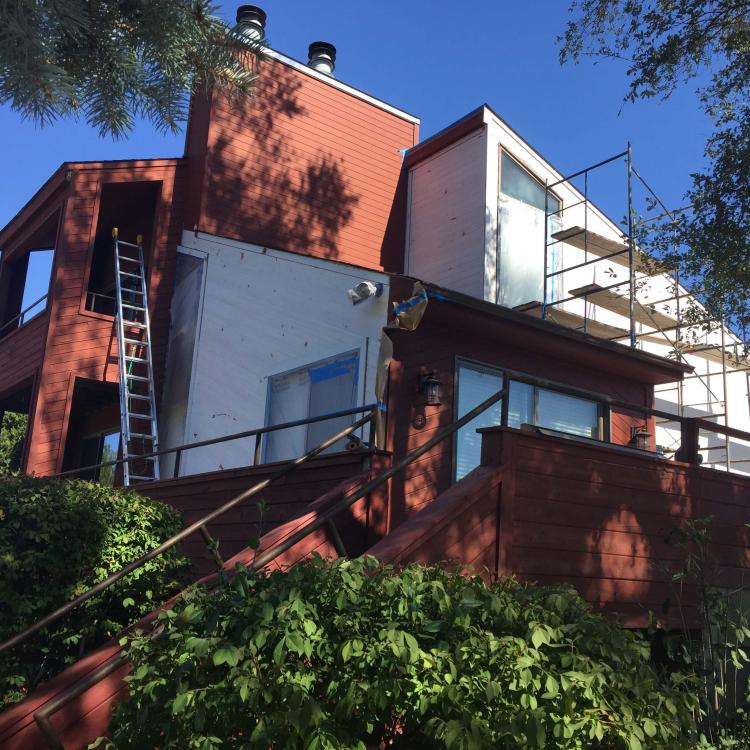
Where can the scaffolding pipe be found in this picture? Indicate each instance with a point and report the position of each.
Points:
(631, 249)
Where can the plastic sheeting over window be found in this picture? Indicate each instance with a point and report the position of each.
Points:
(311, 391)
(520, 242)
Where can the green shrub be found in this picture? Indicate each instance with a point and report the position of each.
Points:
(57, 539)
(12, 439)
(350, 654)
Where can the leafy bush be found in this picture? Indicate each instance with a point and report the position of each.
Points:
(57, 539)
(12, 439)
(351, 654)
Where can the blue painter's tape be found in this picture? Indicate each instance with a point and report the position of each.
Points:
(380, 405)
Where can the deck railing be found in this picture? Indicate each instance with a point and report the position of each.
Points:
(20, 318)
(257, 433)
(689, 451)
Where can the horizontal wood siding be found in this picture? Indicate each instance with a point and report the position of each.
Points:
(600, 519)
(21, 353)
(304, 167)
(195, 496)
(448, 332)
(81, 344)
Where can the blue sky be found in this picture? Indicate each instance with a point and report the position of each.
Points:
(438, 60)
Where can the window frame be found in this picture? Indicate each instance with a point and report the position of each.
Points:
(502, 150)
(508, 376)
(308, 366)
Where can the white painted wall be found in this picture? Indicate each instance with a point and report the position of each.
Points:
(265, 312)
(446, 217)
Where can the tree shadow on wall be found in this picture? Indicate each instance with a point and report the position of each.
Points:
(270, 179)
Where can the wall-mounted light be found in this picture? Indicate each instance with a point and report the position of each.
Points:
(641, 438)
(431, 388)
(364, 290)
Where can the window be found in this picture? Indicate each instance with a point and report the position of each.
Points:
(475, 384)
(323, 387)
(29, 282)
(527, 404)
(520, 242)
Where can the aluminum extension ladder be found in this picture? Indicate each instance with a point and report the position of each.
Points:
(139, 434)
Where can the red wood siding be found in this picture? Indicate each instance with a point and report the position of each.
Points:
(82, 344)
(599, 518)
(447, 332)
(304, 167)
(195, 496)
(21, 353)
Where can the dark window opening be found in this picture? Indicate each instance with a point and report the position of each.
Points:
(25, 278)
(14, 428)
(131, 207)
(94, 432)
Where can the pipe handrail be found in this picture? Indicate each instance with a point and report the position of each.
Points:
(19, 316)
(224, 438)
(184, 533)
(346, 502)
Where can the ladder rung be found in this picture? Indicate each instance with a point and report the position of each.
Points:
(145, 417)
(147, 479)
(139, 397)
(142, 435)
(141, 458)
(132, 275)
(133, 291)
(127, 257)
(133, 307)
(133, 324)
(135, 342)
(140, 378)
(128, 358)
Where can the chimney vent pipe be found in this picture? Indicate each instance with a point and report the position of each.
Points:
(322, 57)
(251, 21)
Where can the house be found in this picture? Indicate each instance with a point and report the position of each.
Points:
(476, 269)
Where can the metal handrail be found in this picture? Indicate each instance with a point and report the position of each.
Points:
(258, 432)
(196, 526)
(42, 716)
(20, 315)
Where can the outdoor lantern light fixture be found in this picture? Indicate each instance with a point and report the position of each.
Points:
(431, 388)
(641, 438)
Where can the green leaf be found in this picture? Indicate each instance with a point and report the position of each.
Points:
(226, 655)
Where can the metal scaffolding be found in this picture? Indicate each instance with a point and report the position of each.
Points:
(646, 323)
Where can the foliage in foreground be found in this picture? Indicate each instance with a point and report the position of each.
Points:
(12, 438)
(665, 44)
(57, 539)
(112, 62)
(349, 654)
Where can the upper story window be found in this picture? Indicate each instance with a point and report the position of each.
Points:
(527, 404)
(517, 183)
(323, 387)
(521, 217)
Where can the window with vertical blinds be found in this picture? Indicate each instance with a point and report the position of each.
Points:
(527, 404)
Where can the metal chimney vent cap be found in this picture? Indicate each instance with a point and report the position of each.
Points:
(322, 57)
(252, 21)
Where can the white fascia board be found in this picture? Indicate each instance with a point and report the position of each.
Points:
(307, 70)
